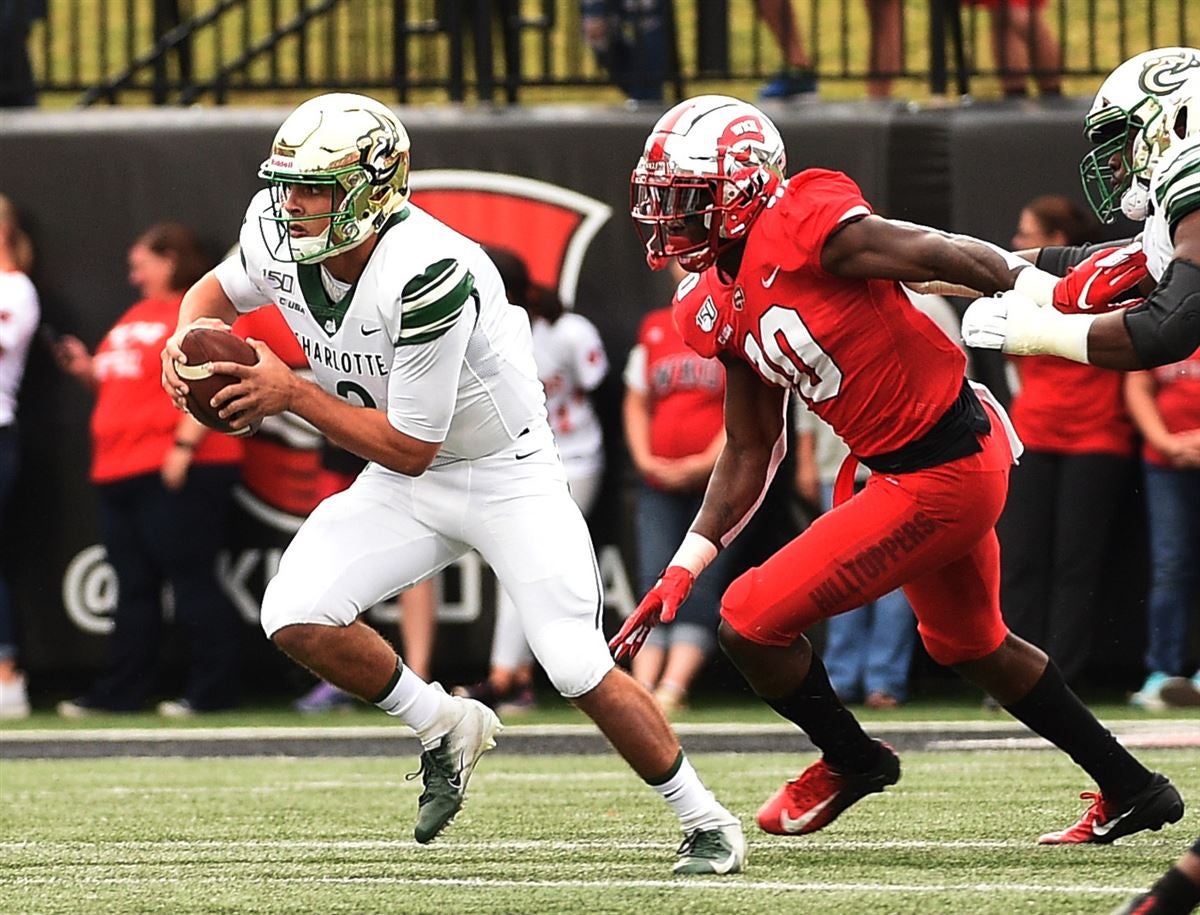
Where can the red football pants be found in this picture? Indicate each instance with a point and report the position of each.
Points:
(930, 532)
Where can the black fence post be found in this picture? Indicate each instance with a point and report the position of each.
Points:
(481, 32)
(712, 38)
(400, 49)
(451, 20)
(937, 47)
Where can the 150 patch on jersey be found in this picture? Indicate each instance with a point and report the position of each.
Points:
(706, 317)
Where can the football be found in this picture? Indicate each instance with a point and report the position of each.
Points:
(204, 346)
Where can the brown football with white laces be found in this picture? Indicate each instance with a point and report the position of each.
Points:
(203, 346)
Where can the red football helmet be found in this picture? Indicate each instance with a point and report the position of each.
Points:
(709, 166)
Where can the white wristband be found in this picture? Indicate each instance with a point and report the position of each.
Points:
(694, 553)
(1037, 284)
(1031, 330)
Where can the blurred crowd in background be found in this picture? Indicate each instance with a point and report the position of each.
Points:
(164, 484)
(1092, 435)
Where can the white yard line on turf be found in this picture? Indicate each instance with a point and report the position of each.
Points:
(452, 846)
(1125, 726)
(707, 885)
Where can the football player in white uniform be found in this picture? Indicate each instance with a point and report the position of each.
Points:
(1145, 127)
(424, 369)
(571, 363)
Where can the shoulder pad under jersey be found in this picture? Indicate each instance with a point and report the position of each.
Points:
(1176, 182)
(252, 247)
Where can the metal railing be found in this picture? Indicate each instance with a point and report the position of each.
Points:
(184, 51)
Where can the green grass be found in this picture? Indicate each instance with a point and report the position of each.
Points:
(550, 834)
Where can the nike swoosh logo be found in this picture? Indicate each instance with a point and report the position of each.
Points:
(456, 781)
(1082, 303)
(521, 457)
(1103, 829)
(790, 825)
(724, 867)
(767, 283)
(368, 331)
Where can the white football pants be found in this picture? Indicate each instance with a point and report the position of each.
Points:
(389, 531)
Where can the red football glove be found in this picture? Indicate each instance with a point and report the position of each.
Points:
(1093, 284)
(658, 606)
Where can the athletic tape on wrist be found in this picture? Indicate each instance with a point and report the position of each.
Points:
(694, 553)
(1037, 284)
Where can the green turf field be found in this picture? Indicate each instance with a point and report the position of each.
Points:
(549, 834)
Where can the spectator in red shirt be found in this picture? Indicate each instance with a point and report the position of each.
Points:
(165, 485)
(1165, 404)
(1064, 494)
(674, 429)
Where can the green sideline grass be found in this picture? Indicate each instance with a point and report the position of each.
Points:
(549, 834)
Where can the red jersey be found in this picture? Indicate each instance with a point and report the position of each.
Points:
(860, 354)
(134, 422)
(1064, 407)
(1177, 399)
(685, 391)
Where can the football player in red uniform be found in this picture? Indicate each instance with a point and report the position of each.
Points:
(796, 287)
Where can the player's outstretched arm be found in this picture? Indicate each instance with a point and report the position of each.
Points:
(878, 248)
(1162, 329)
(205, 304)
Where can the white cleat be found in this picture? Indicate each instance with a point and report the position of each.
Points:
(719, 850)
(446, 769)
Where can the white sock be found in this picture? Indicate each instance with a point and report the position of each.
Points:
(423, 707)
(694, 804)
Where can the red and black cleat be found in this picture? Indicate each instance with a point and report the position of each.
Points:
(1106, 821)
(813, 799)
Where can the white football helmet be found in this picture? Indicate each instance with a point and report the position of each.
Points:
(709, 166)
(359, 149)
(1148, 103)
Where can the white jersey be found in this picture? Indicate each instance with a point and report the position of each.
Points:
(1174, 193)
(426, 333)
(18, 320)
(571, 363)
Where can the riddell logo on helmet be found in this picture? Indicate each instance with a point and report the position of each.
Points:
(282, 162)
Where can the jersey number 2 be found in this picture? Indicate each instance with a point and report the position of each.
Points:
(790, 357)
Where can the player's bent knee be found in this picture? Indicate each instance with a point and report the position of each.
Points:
(953, 653)
(288, 604)
(574, 655)
(742, 615)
